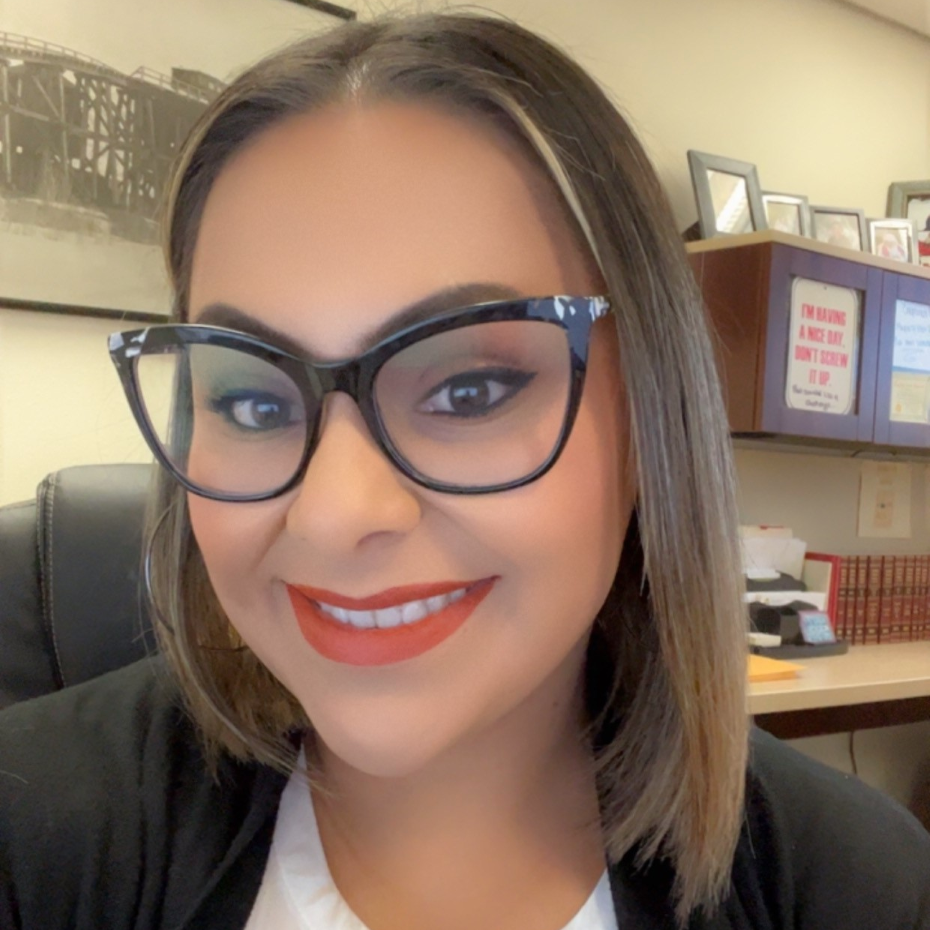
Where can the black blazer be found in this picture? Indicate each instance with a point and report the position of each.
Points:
(109, 819)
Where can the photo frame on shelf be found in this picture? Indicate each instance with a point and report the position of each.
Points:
(840, 226)
(788, 213)
(97, 102)
(728, 195)
(893, 238)
(911, 200)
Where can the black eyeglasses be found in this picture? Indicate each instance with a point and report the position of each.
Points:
(478, 400)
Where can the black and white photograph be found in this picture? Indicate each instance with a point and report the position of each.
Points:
(98, 97)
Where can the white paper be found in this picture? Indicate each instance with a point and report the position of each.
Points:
(780, 598)
(823, 346)
(927, 496)
(783, 555)
(910, 378)
(885, 500)
(911, 337)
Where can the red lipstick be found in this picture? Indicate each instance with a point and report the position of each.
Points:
(342, 642)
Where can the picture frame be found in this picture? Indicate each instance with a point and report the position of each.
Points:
(96, 100)
(840, 226)
(893, 238)
(788, 213)
(728, 195)
(911, 200)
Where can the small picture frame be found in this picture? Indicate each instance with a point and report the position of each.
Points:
(728, 195)
(893, 238)
(911, 200)
(840, 226)
(790, 213)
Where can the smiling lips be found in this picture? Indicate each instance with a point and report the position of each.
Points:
(396, 624)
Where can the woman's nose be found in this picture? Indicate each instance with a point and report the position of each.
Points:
(350, 491)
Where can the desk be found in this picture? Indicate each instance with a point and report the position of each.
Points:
(870, 686)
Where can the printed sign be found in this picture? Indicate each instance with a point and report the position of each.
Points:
(910, 376)
(823, 347)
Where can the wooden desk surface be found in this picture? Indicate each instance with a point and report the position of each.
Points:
(866, 674)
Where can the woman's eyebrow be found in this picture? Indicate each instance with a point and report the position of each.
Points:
(230, 317)
(435, 304)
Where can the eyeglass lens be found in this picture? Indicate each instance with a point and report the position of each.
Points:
(477, 406)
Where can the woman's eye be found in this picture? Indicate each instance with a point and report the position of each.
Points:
(254, 412)
(475, 393)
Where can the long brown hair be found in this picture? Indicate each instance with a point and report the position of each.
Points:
(665, 677)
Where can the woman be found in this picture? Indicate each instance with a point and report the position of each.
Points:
(447, 523)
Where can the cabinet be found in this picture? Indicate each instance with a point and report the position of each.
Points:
(903, 384)
(817, 344)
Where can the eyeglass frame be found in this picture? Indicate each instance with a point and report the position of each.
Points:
(356, 377)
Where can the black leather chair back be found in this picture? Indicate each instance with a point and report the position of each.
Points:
(71, 604)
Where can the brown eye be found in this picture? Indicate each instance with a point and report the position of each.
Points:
(474, 393)
(254, 413)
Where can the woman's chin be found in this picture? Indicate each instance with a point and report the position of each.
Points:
(383, 755)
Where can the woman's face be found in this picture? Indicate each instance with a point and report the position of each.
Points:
(323, 229)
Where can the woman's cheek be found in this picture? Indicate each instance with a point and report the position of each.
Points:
(234, 540)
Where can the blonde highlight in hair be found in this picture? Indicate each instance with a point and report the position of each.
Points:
(665, 678)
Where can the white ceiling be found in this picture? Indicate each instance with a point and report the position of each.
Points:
(915, 14)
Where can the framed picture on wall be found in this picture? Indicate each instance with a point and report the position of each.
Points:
(911, 200)
(95, 100)
(729, 199)
(893, 238)
(840, 226)
(788, 213)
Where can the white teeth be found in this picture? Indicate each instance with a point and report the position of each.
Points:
(390, 616)
(411, 612)
(417, 610)
(361, 618)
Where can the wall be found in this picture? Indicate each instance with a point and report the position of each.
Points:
(826, 100)
(60, 400)
(817, 496)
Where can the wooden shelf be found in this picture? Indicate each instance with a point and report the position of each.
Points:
(811, 245)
